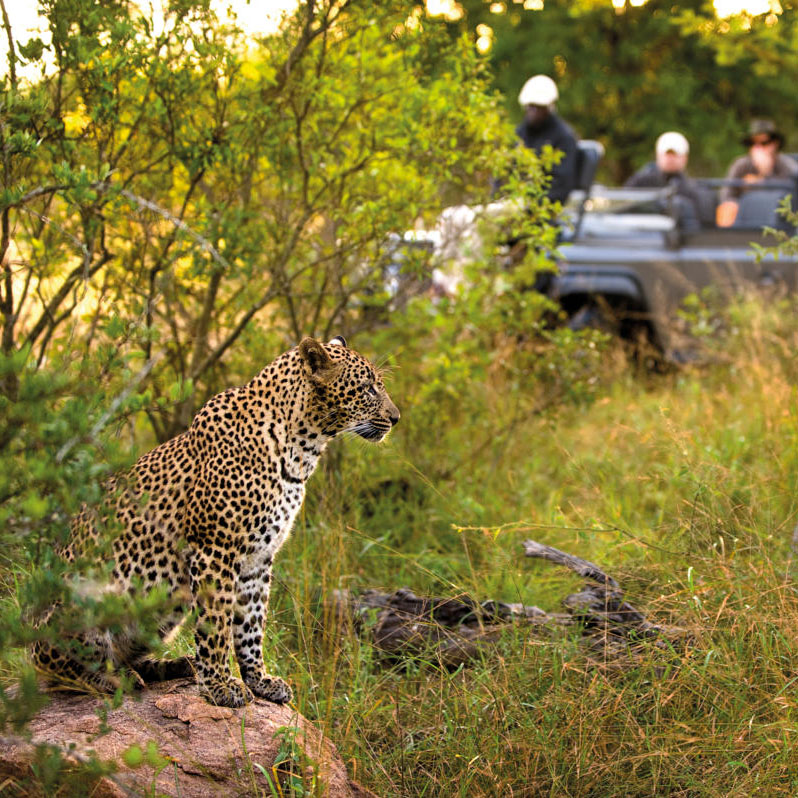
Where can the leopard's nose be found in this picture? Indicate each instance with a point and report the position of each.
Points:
(392, 411)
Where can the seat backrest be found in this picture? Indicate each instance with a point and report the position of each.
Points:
(758, 208)
(588, 154)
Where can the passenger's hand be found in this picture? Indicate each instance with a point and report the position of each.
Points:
(726, 213)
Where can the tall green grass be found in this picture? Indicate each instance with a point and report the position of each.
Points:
(683, 487)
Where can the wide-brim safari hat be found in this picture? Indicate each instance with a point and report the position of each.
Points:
(763, 127)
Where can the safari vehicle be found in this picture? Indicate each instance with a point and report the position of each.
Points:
(627, 258)
(627, 261)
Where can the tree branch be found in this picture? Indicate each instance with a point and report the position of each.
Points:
(12, 52)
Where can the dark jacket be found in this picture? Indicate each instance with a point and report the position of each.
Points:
(560, 136)
(694, 205)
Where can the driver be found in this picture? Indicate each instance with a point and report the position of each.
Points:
(541, 125)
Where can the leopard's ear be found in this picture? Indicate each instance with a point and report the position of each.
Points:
(313, 353)
(339, 340)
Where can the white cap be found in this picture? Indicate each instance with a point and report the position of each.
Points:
(538, 90)
(672, 142)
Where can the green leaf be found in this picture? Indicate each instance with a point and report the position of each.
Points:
(133, 756)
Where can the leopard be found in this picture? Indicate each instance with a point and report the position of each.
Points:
(204, 514)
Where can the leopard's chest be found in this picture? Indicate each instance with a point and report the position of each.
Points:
(272, 513)
(270, 527)
(288, 503)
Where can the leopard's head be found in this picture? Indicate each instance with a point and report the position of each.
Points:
(347, 394)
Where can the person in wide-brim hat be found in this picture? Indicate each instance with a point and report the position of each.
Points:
(760, 128)
(763, 163)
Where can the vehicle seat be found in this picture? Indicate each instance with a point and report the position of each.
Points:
(588, 155)
(759, 208)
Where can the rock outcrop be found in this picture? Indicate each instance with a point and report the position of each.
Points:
(202, 750)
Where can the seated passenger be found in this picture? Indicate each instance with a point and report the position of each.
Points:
(763, 163)
(672, 151)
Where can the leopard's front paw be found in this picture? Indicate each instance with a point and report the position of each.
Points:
(272, 688)
(229, 693)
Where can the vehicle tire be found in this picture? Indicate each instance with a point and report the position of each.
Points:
(641, 350)
(593, 316)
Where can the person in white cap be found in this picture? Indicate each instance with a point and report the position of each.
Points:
(541, 125)
(669, 170)
(671, 151)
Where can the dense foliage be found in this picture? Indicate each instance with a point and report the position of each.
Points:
(171, 185)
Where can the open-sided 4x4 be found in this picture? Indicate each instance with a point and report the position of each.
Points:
(629, 258)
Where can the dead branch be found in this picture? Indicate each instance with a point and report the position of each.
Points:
(451, 631)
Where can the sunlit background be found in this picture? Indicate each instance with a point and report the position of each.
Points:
(452, 10)
(259, 18)
(255, 17)
(263, 17)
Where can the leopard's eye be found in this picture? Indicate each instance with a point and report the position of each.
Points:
(370, 390)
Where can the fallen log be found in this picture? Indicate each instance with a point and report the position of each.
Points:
(453, 630)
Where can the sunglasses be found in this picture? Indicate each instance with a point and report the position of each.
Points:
(762, 142)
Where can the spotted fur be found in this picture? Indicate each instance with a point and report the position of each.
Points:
(206, 512)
